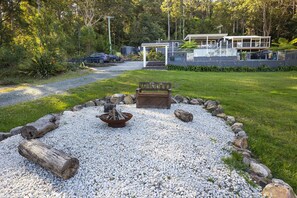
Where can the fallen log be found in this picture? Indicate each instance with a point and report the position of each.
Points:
(39, 128)
(49, 158)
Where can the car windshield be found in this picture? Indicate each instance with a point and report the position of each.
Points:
(97, 54)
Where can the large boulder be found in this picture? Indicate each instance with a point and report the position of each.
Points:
(183, 115)
(278, 189)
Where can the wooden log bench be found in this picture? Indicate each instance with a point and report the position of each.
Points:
(153, 95)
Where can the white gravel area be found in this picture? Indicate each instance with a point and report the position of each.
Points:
(155, 155)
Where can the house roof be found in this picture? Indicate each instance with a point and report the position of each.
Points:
(205, 36)
(246, 37)
(219, 36)
(155, 44)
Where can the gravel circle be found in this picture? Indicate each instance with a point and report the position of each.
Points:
(155, 155)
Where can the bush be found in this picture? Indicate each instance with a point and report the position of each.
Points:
(155, 56)
(10, 56)
(189, 45)
(263, 68)
(43, 65)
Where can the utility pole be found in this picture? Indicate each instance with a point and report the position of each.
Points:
(168, 25)
(109, 35)
(183, 20)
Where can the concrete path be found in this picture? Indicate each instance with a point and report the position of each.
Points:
(38, 91)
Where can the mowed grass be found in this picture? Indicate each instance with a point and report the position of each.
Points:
(265, 102)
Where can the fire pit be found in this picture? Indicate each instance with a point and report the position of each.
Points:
(116, 123)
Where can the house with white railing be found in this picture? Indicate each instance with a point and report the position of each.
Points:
(209, 45)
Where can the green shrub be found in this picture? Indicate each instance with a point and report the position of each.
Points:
(155, 56)
(263, 68)
(189, 45)
(43, 65)
(134, 57)
(10, 56)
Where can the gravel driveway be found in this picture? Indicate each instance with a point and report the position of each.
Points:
(38, 91)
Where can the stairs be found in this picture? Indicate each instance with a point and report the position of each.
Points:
(155, 65)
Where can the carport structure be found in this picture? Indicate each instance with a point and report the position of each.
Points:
(155, 45)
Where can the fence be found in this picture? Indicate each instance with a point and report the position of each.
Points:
(182, 59)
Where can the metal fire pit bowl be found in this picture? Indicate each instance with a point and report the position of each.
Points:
(116, 123)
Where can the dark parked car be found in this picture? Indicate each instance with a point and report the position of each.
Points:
(97, 58)
(114, 58)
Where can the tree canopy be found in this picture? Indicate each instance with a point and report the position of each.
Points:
(67, 28)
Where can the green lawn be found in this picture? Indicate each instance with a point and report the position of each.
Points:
(265, 102)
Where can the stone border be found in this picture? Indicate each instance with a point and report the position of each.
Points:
(261, 174)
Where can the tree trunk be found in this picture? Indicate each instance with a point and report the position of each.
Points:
(39, 128)
(49, 158)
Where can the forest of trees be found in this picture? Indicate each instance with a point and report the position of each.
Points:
(49, 31)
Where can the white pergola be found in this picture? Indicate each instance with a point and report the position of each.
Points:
(155, 45)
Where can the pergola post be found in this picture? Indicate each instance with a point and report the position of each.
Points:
(144, 57)
(207, 45)
(166, 55)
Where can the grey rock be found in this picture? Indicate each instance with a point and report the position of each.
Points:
(107, 99)
(128, 99)
(230, 120)
(100, 102)
(183, 115)
(217, 111)
(57, 118)
(236, 126)
(194, 102)
(90, 104)
(117, 98)
(246, 160)
(241, 142)
(247, 153)
(237, 130)
(262, 181)
(186, 101)
(179, 98)
(3, 135)
(222, 115)
(201, 101)
(108, 107)
(16, 130)
(260, 169)
(77, 107)
(210, 105)
(133, 96)
(241, 134)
